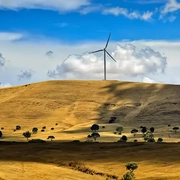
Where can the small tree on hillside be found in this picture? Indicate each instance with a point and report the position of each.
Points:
(152, 129)
(123, 138)
(34, 130)
(143, 130)
(130, 175)
(27, 134)
(160, 140)
(18, 127)
(119, 129)
(95, 135)
(95, 127)
(175, 129)
(1, 134)
(134, 131)
(51, 137)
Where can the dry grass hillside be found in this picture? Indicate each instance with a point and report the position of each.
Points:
(75, 106)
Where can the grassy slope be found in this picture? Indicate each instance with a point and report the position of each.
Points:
(75, 106)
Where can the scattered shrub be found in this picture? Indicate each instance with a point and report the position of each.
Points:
(18, 127)
(34, 130)
(160, 140)
(2, 128)
(44, 127)
(135, 140)
(130, 175)
(134, 131)
(52, 128)
(115, 132)
(36, 141)
(27, 134)
(95, 127)
(56, 124)
(51, 137)
(14, 130)
(169, 125)
(103, 127)
(95, 135)
(42, 130)
(152, 129)
(143, 130)
(119, 129)
(89, 136)
(123, 138)
(175, 129)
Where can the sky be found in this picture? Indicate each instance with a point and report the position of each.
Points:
(49, 40)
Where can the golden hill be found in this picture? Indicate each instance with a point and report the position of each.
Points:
(76, 105)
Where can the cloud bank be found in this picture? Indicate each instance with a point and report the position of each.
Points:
(130, 62)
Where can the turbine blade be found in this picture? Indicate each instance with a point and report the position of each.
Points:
(96, 51)
(111, 56)
(107, 41)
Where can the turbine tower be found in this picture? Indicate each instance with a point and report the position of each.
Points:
(105, 51)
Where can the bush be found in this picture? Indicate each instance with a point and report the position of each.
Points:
(27, 134)
(56, 124)
(135, 140)
(123, 139)
(36, 141)
(44, 127)
(143, 130)
(160, 140)
(175, 129)
(18, 127)
(1, 134)
(152, 129)
(169, 125)
(103, 127)
(14, 130)
(119, 129)
(95, 135)
(129, 176)
(95, 127)
(134, 131)
(51, 137)
(42, 130)
(35, 130)
(52, 128)
(2, 128)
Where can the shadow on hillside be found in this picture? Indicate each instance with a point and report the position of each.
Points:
(134, 103)
(58, 152)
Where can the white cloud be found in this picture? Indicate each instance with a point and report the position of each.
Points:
(148, 80)
(135, 61)
(8, 36)
(171, 6)
(4, 85)
(58, 5)
(131, 15)
(130, 62)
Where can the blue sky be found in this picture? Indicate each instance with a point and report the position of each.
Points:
(49, 25)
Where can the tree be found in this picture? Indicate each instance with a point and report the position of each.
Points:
(119, 129)
(27, 134)
(143, 130)
(1, 134)
(160, 140)
(123, 139)
(18, 127)
(51, 137)
(175, 129)
(152, 129)
(95, 127)
(130, 175)
(95, 135)
(149, 137)
(34, 130)
(134, 131)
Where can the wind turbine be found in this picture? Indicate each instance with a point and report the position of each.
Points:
(105, 51)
